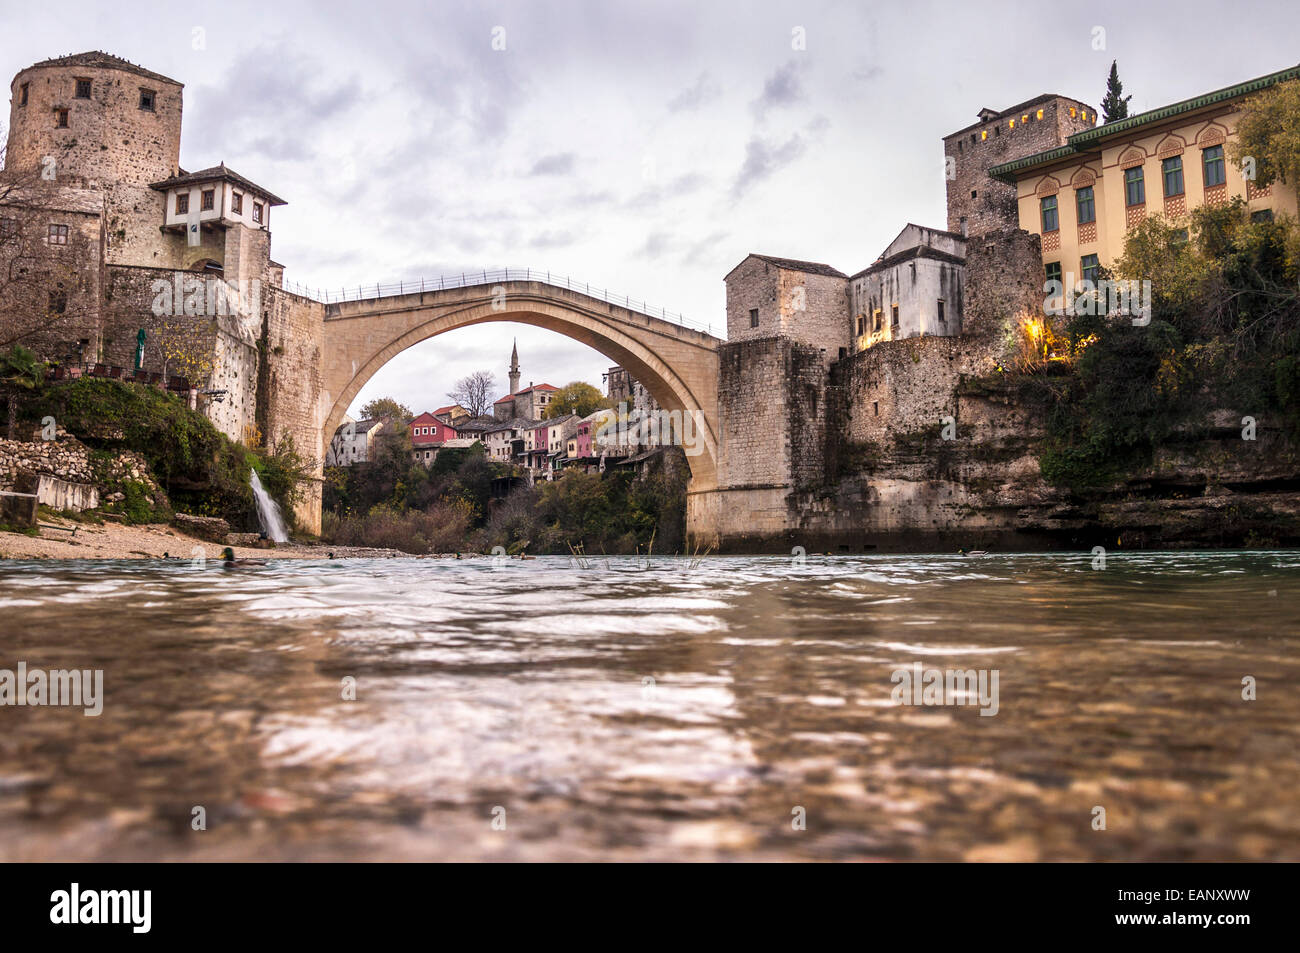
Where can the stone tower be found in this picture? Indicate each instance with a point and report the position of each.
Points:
(105, 120)
(96, 122)
(514, 368)
(978, 204)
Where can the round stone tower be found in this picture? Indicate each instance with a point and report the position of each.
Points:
(104, 121)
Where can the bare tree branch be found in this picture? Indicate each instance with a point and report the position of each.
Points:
(474, 392)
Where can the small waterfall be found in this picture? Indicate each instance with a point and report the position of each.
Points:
(268, 511)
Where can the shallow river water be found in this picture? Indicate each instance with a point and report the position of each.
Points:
(741, 708)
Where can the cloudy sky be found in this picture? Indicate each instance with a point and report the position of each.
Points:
(643, 147)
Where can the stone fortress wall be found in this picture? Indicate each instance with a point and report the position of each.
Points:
(978, 203)
(89, 137)
(812, 393)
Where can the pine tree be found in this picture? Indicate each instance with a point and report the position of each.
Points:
(1115, 106)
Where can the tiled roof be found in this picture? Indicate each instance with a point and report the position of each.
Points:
(915, 251)
(793, 264)
(361, 426)
(217, 172)
(98, 59)
(1089, 139)
(516, 423)
(1080, 139)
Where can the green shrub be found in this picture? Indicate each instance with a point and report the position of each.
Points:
(1225, 333)
(200, 469)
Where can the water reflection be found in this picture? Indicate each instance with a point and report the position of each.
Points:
(670, 713)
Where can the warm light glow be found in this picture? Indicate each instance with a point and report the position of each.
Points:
(1013, 124)
(1040, 114)
(984, 134)
(1073, 112)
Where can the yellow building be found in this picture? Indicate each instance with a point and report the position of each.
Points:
(1083, 197)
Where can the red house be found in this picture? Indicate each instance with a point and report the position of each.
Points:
(429, 431)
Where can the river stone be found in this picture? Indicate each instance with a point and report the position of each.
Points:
(243, 539)
(17, 509)
(211, 528)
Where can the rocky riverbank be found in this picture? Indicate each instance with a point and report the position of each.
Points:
(67, 539)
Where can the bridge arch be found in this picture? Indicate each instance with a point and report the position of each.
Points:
(676, 364)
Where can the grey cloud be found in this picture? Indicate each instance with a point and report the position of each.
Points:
(706, 249)
(551, 239)
(561, 163)
(782, 88)
(763, 158)
(685, 184)
(660, 243)
(704, 89)
(270, 83)
(656, 245)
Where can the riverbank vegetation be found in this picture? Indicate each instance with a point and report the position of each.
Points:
(200, 470)
(1224, 334)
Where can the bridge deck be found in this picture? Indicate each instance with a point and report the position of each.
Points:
(401, 289)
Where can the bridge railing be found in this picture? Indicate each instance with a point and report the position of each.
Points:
(470, 279)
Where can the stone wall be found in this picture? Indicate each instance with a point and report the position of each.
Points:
(213, 350)
(803, 306)
(814, 311)
(66, 458)
(754, 437)
(979, 204)
(772, 405)
(50, 294)
(1004, 284)
(109, 138)
(290, 401)
(916, 284)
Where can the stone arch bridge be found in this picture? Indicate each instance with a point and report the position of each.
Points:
(677, 364)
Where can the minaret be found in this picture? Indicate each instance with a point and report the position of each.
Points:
(514, 369)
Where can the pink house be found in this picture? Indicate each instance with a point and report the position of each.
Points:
(540, 446)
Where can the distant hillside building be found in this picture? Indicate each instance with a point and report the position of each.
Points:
(530, 403)
(507, 441)
(622, 388)
(429, 430)
(353, 442)
(454, 414)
